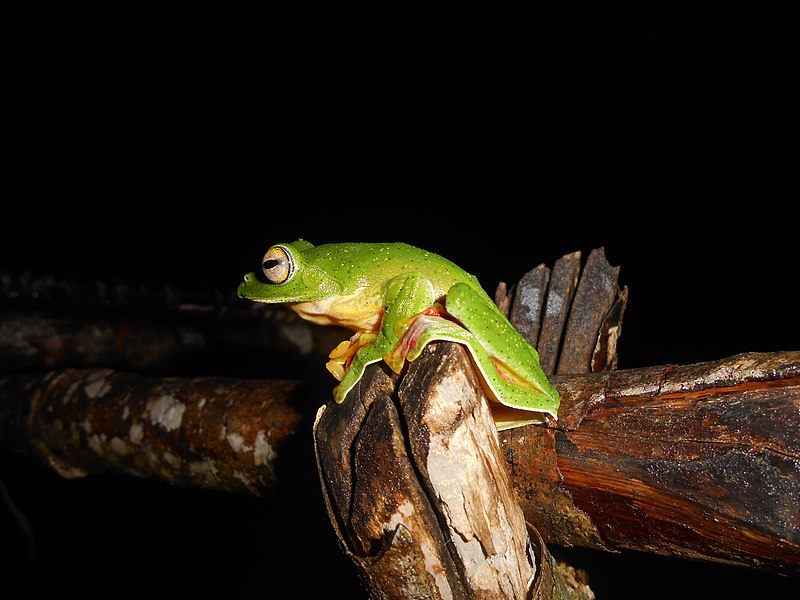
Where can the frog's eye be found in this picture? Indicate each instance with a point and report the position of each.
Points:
(278, 265)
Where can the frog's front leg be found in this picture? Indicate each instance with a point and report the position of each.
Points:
(405, 297)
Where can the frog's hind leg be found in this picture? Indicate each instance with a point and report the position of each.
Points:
(515, 401)
(516, 363)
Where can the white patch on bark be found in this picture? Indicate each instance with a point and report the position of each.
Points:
(167, 412)
(96, 443)
(237, 443)
(264, 453)
(119, 446)
(136, 433)
(172, 460)
(204, 470)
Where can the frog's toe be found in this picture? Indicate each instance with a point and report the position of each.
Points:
(340, 393)
(336, 368)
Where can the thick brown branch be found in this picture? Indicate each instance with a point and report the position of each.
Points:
(699, 461)
(205, 432)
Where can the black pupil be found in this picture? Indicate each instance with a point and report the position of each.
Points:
(269, 264)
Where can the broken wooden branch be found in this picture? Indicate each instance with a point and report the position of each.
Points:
(418, 489)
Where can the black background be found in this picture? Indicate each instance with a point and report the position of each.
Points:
(176, 148)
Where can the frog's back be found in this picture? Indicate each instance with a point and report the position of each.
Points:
(373, 263)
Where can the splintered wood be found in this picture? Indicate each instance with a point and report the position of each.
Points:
(572, 317)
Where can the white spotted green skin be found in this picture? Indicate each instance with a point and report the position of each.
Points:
(398, 298)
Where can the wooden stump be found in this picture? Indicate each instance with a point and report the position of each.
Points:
(418, 488)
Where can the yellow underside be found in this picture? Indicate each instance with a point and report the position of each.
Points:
(357, 312)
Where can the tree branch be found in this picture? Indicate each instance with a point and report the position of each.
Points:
(699, 461)
(208, 432)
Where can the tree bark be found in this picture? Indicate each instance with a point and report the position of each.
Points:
(699, 461)
(208, 432)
